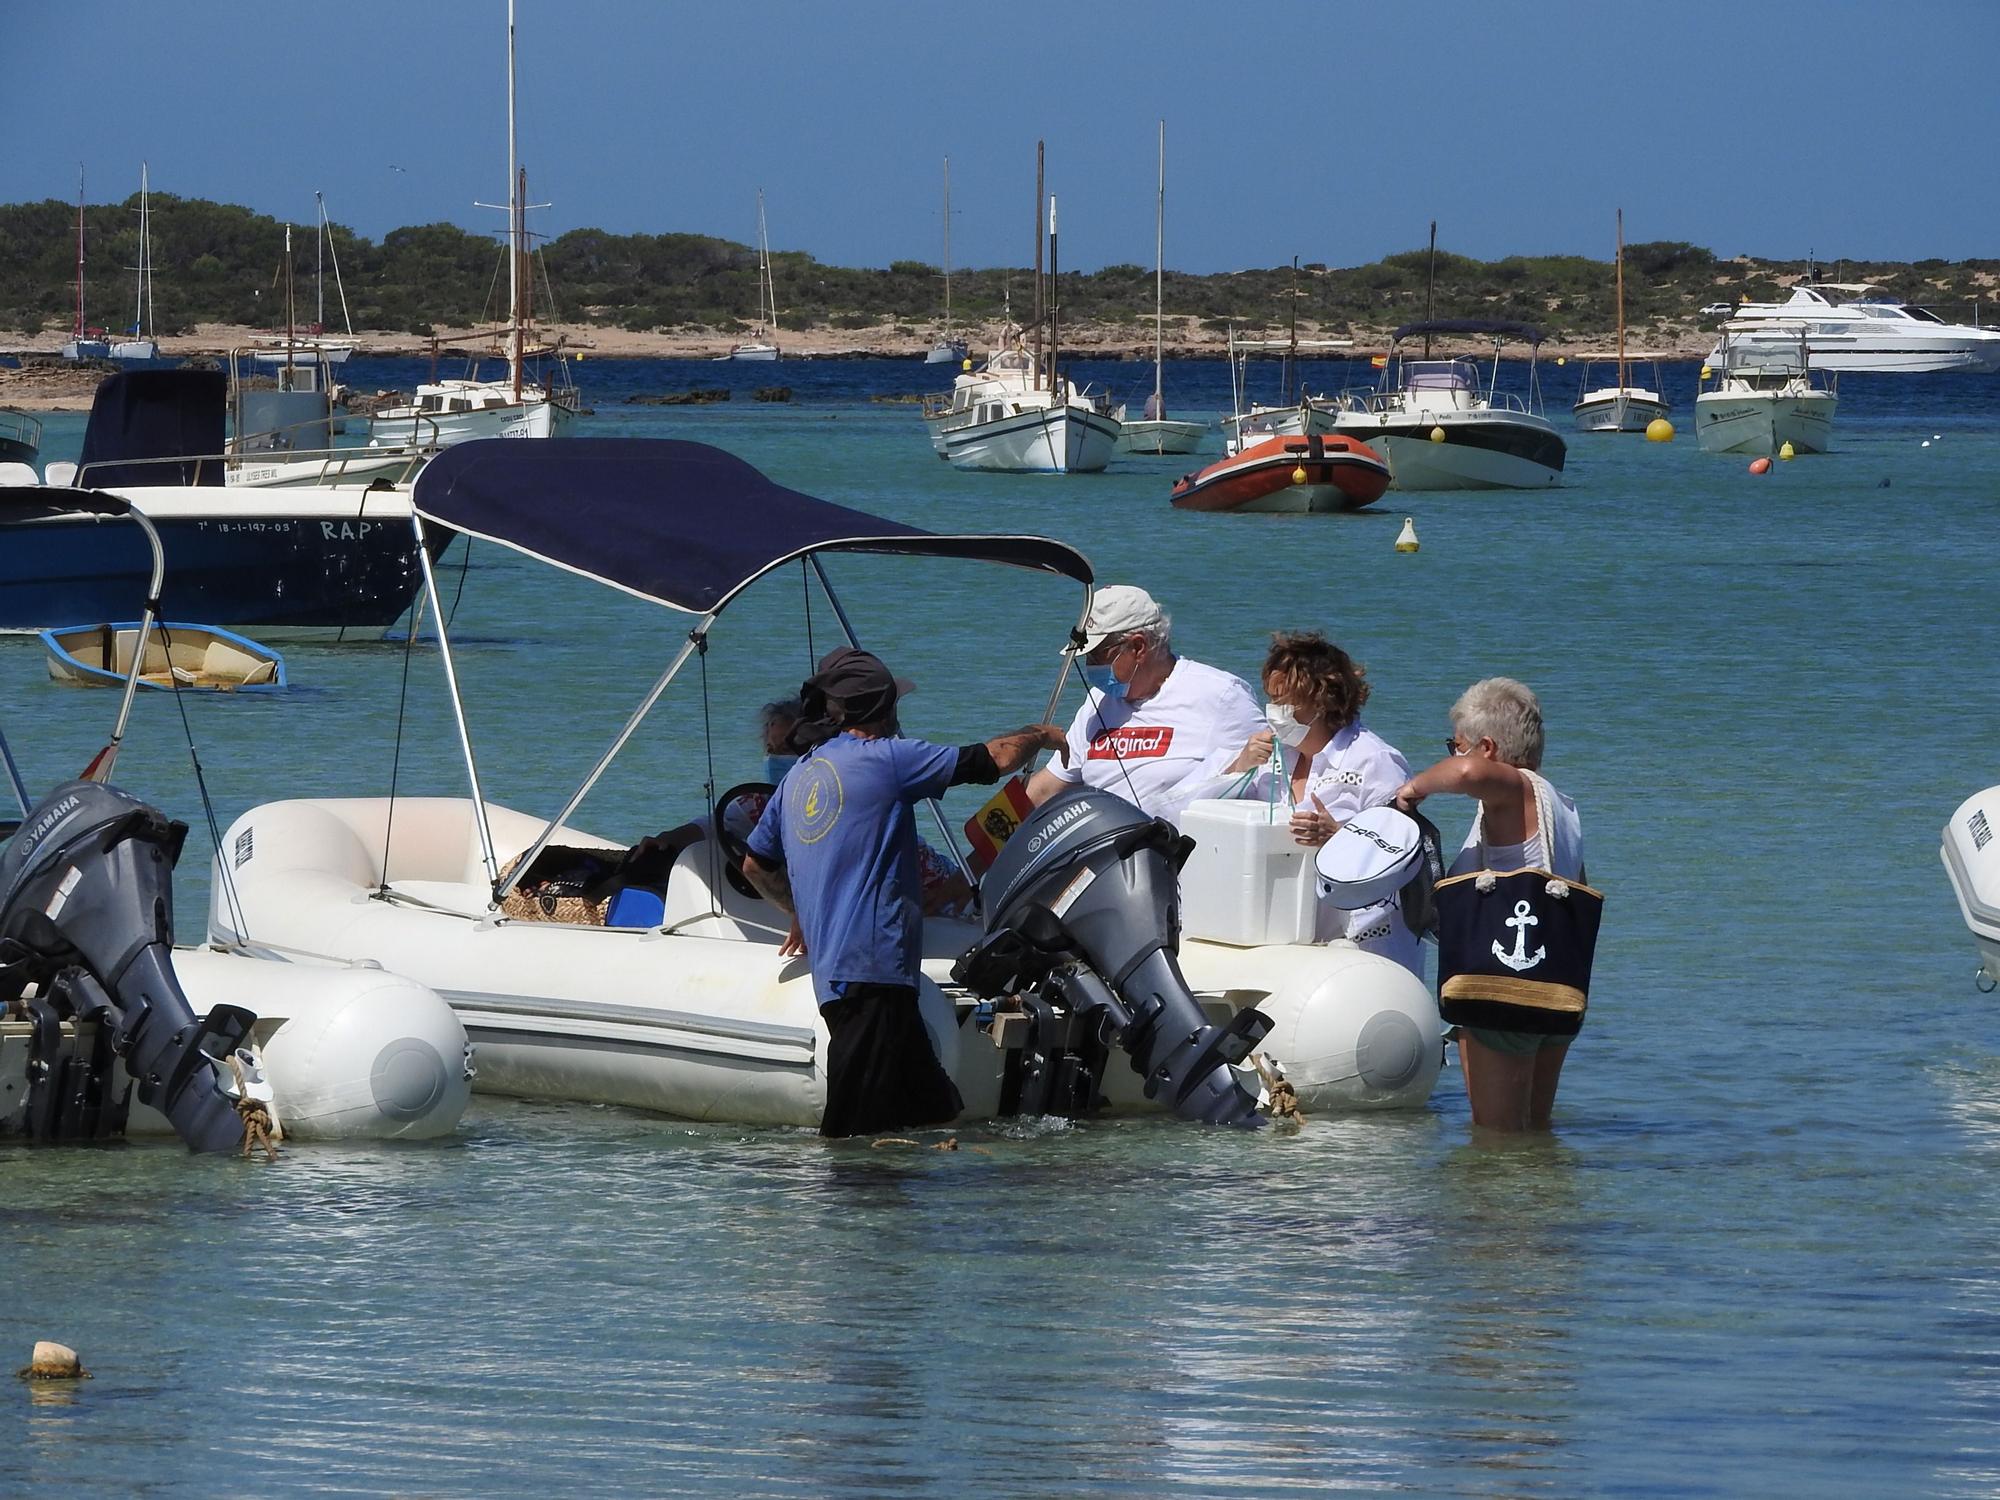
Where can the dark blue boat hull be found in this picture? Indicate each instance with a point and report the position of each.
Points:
(292, 573)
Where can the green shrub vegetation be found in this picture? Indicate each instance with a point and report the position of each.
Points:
(217, 262)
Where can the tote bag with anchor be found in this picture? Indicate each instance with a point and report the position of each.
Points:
(1514, 948)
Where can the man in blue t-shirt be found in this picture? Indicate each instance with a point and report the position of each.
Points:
(837, 848)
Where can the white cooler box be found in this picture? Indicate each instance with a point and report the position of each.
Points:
(1247, 882)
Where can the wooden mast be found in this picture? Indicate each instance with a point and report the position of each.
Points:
(79, 251)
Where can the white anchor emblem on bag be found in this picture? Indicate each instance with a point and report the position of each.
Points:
(1524, 917)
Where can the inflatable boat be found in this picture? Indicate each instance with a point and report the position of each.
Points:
(1294, 475)
(1107, 938)
(107, 1029)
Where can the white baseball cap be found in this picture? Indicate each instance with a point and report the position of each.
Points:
(1115, 610)
(1370, 858)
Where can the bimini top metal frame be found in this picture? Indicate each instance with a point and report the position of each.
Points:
(680, 524)
(27, 505)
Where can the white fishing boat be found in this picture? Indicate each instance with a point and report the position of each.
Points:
(20, 437)
(764, 347)
(1441, 425)
(692, 1012)
(107, 1029)
(949, 349)
(1014, 415)
(1760, 398)
(1156, 432)
(520, 405)
(1621, 406)
(1858, 326)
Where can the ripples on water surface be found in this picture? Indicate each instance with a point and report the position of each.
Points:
(1756, 1255)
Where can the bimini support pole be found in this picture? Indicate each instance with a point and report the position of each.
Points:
(1077, 638)
(696, 639)
(100, 767)
(457, 709)
(937, 812)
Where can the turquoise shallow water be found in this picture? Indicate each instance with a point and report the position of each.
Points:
(1756, 1253)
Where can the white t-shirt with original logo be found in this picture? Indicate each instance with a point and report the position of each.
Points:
(1163, 753)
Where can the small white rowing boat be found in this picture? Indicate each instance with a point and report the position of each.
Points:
(201, 657)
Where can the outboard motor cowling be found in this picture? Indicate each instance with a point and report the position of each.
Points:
(86, 916)
(1082, 914)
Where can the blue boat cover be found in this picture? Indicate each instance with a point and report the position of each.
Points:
(682, 524)
(155, 414)
(1527, 333)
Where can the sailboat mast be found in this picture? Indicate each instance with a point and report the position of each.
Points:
(947, 249)
(79, 250)
(1430, 289)
(139, 295)
(1038, 265)
(339, 286)
(1621, 304)
(319, 271)
(1159, 277)
(291, 319)
(1055, 304)
(514, 214)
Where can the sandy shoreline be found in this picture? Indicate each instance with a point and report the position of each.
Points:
(44, 387)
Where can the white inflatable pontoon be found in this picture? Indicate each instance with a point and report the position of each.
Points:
(694, 1014)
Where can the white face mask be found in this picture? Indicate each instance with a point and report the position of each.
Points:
(1285, 725)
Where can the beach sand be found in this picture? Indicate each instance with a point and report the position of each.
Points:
(45, 387)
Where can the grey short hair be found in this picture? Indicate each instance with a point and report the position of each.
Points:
(1159, 635)
(1503, 711)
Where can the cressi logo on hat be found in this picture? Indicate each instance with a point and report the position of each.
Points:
(1370, 859)
(1114, 611)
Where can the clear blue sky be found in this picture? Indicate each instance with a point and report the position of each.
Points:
(1332, 131)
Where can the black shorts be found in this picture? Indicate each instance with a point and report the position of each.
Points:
(881, 1072)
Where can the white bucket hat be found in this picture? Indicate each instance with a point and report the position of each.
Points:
(1370, 859)
(1116, 610)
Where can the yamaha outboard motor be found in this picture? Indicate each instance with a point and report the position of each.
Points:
(86, 916)
(1082, 923)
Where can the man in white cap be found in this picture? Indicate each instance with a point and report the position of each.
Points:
(1155, 728)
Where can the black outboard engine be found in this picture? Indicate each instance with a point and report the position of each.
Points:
(1082, 923)
(86, 916)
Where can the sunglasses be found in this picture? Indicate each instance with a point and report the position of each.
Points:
(1106, 652)
(1451, 746)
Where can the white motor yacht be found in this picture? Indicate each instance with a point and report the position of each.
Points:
(1859, 326)
(1763, 398)
(1441, 425)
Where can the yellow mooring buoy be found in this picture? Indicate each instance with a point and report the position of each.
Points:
(1406, 539)
(1787, 452)
(1659, 430)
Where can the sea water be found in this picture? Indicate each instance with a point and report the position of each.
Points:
(1756, 1254)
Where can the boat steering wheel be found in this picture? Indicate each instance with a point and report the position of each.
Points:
(735, 848)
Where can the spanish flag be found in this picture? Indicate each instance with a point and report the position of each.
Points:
(990, 827)
(1379, 361)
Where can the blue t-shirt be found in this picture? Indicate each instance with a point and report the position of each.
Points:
(843, 828)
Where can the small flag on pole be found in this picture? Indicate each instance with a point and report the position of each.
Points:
(990, 827)
(1379, 361)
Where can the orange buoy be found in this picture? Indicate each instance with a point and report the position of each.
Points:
(1760, 466)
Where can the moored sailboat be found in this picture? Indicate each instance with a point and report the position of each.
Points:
(1622, 407)
(1156, 432)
